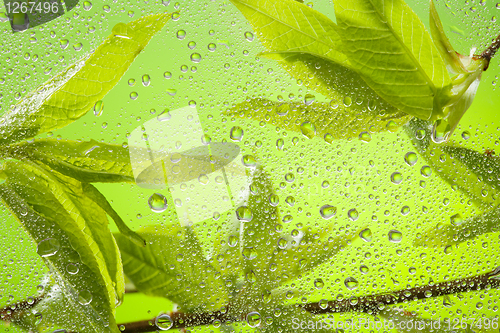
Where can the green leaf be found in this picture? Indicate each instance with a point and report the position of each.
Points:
(450, 56)
(172, 265)
(288, 26)
(471, 228)
(456, 166)
(388, 45)
(72, 237)
(318, 119)
(72, 93)
(86, 161)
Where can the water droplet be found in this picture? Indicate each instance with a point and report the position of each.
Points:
(396, 178)
(48, 247)
(203, 179)
(171, 91)
(329, 138)
(327, 211)
(253, 319)
(251, 277)
(364, 269)
(249, 161)
(426, 171)
(323, 303)
(158, 203)
(236, 133)
(164, 322)
(395, 236)
(448, 249)
(405, 210)
(165, 115)
(106, 8)
(131, 82)
(347, 101)
(244, 214)
(249, 253)
(249, 36)
(440, 131)
(146, 80)
(274, 200)
(196, 57)
(87, 5)
(411, 158)
(366, 235)
(64, 43)
(351, 283)
(84, 297)
(309, 99)
(319, 284)
(353, 214)
(72, 268)
(456, 220)
(181, 34)
(308, 129)
(289, 177)
(212, 47)
(290, 201)
(233, 240)
(465, 135)
(98, 108)
(365, 137)
(447, 301)
(282, 243)
(280, 143)
(134, 95)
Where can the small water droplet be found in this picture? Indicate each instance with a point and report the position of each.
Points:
(395, 236)
(411, 158)
(48, 247)
(244, 214)
(236, 133)
(364, 269)
(158, 203)
(327, 211)
(426, 171)
(164, 322)
(308, 129)
(289, 177)
(290, 201)
(253, 319)
(106, 8)
(84, 297)
(274, 200)
(351, 283)
(249, 161)
(440, 131)
(87, 5)
(134, 95)
(249, 253)
(282, 243)
(366, 235)
(447, 301)
(72, 268)
(323, 304)
(396, 178)
(365, 137)
(181, 34)
(171, 91)
(280, 143)
(466, 135)
(319, 284)
(233, 240)
(329, 138)
(165, 115)
(196, 57)
(405, 210)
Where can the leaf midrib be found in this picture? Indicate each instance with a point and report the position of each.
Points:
(385, 21)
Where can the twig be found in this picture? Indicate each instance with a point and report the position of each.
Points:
(490, 51)
(367, 304)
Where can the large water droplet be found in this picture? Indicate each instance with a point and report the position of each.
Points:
(48, 247)
(456, 220)
(327, 211)
(395, 236)
(249, 36)
(411, 158)
(323, 303)
(274, 200)
(87, 5)
(282, 243)
(196, 57)
(244, 214)
(84, 297)
(181, 34)
(171, 91)
(426, 171)
(165, 115)
(365, 137)
(146, 80)
(236, 133)
(253, 319)
(308, 129)
(98, 108)
(366, 235)
(249, 253)
(351, 283)
(396, 178)
(280, 143)
(319, 284)
(158, 203)
(353, 214)
(164, 322)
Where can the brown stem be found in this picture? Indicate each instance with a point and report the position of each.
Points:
(490, 51)
(367, 304)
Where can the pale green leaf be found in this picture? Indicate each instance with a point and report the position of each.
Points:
(86, 161)
(288, 26)
(471, 228)
(72, 93)
(450, 56)
(388, 45)
(456, 169)
(318, 119)
(172, 265)
(50, 206)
